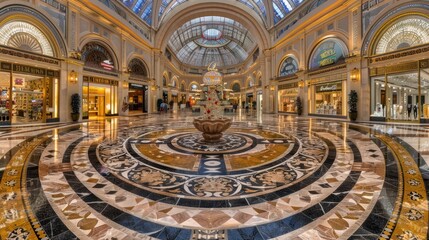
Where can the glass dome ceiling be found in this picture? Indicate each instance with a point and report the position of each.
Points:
(143, 8)
(211, 39)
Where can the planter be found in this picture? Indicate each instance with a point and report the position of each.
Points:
(75, 116)
(353, 116)
(212, 128)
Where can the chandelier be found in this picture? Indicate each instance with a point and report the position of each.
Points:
(212, 77)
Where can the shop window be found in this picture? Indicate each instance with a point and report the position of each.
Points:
(287, 98)
(329, 99)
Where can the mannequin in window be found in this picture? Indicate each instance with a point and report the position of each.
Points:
(415, 111)
(409, 107)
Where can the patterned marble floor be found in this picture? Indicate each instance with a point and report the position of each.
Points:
(271, 177)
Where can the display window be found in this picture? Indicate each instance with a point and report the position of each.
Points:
(401, 96)
(329, 99)
(287, 98)
(26, 97)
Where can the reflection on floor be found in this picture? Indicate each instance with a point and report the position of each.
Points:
(271, 177)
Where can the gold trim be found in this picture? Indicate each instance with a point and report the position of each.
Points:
(410, 215)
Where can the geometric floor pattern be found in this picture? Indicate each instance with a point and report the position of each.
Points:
(270, 177)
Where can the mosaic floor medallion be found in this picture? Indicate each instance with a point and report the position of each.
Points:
(246, 162)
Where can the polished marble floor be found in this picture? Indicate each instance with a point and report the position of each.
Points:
(271, 177)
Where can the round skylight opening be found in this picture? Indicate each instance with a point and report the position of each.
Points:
(212, 34)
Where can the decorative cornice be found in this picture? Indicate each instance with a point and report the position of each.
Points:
(74, 61)
(89, 69)
(353, 59)
(28, 55)
(327, 69)
(286, 78)
(399, 54)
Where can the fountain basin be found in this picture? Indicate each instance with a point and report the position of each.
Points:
(212, 128)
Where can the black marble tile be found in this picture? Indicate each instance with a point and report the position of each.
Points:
(168, 233)
(250, 233)
(67, 235)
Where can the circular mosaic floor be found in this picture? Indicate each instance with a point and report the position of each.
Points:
(140, 179)
(246, 163)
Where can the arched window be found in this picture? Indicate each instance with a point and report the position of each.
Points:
(164, 81)
(194, 87)
(182, 87)
(289, 66)
(96, 55)
(405, 32)
(236, 87)
(329, 51)
(137, 68)
(25, 36)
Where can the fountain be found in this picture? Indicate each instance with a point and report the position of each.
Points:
(212, 123)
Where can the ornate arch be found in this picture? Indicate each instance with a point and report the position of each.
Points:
(40, 22)
(250, 82)
(335, 52)
(174, 81)
(402, 32)
(165, 79)
(182, 86)
(390, 14)
(194, 83)
(288, 65)
(138, 67)
(236, 86)
(96, 54)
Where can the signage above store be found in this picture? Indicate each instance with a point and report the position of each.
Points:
(327, 53)
(17, 68)
(100, 80)
(329, 87)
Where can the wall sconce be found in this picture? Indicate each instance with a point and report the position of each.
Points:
(354, 75)
(272, 88)
(154, 87)
(73, 76)
(301, 83)
(125, 84)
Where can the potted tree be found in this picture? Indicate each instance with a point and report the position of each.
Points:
(298, 106)
(353, 100)
(75, 105)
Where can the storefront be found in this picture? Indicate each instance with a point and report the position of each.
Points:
(137, 98)
(99, 97)
(287, 96)
(328, 79)
(401, 92)
(34, 96)
(399, 83)
(328, 98)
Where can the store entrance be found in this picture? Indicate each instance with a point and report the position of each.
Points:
(136, 98)
(94, 101)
